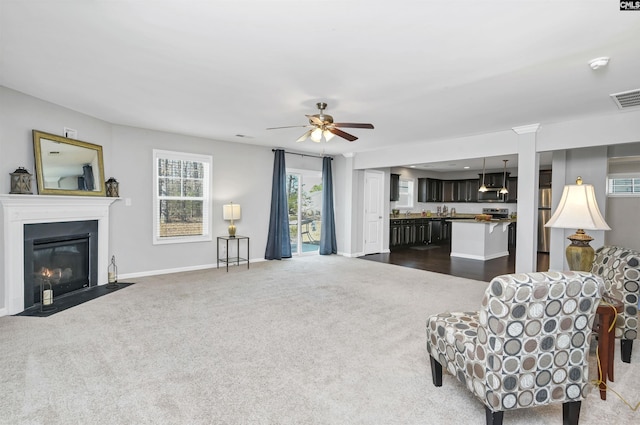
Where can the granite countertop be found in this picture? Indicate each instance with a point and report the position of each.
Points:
(432, 216)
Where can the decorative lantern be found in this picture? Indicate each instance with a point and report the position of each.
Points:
(112, 187)
(46, 291)
(21, 182)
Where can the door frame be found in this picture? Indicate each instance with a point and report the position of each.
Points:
(381, 175)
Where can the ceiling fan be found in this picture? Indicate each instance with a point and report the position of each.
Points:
(322, 125)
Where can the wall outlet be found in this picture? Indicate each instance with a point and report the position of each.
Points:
(70, 133)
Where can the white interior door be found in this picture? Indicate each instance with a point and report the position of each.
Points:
(373, 211)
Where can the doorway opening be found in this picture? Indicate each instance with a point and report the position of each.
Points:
(304, 197)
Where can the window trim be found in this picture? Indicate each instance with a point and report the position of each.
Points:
(207, 161)
(411, 194)
(620, 176)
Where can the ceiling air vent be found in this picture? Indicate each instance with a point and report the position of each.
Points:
(627, 99)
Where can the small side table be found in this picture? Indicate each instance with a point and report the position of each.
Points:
(237, 258)
(606, 341)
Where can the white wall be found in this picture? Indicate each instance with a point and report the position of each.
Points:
(241, 173)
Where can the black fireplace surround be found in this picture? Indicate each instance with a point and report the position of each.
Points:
(63, 254)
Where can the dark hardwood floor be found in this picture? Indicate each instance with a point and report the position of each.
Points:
(437, 259)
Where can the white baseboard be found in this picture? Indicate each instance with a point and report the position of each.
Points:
(124, 276)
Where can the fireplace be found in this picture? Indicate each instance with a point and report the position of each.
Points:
(59, 256)
(19, 211)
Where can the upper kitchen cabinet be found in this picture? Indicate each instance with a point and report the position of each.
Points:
(494, 180)
(429, 190)
(512, 187)
(460, 190)
(395, 187)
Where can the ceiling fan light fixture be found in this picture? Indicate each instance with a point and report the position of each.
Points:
(316, 135)
(327, 135)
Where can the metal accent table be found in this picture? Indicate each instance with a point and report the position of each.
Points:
(235, 259)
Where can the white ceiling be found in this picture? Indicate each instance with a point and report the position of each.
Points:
(418, 70)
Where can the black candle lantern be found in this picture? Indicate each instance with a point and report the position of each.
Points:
(112, 187)
(21, 182)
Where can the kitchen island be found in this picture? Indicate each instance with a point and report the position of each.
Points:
(479, 240)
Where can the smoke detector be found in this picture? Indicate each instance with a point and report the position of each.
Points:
(598, 63)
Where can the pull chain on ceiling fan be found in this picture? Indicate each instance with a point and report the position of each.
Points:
(322, 126)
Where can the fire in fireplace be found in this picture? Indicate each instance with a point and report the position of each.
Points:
(61, 257)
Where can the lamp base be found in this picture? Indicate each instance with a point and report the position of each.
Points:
(580, 254)
(232, 230)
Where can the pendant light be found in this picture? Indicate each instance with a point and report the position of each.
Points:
(504, 190)
(483, 188)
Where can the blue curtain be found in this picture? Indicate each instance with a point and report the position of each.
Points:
(328, 244)
(278, 241)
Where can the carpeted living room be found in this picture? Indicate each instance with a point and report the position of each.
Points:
(204, 206)
(310, 340)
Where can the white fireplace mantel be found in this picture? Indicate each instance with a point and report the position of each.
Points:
(18, 210)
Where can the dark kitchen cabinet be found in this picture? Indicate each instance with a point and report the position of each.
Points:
(493, 180)
(512, 187)
(395, 187)
(429, 190)
(435, 231)
(472, 190)
(460, 190)
(544, 179)
(402, 233)
(512, 237)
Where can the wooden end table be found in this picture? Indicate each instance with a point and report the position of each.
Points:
(607, 311)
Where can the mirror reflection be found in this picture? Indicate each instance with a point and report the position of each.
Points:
(68, 167)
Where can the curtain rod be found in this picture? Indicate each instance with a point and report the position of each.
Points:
(303, 154)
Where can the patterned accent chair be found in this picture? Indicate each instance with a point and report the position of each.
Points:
(620, 269)
(527, 346)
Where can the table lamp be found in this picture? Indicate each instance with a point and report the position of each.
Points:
(231, 212)
(578, 209)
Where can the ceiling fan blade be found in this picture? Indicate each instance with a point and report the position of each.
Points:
(304, 136)
(342, 134)
(288, 126)
(314, 120)
(352, 125)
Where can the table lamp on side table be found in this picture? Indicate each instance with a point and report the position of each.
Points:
(578, 209)
(231, 212)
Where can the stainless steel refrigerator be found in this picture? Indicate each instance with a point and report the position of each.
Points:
(544, 213)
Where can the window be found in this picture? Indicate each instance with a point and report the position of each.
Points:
(623, 184)
(406, 194)
(181, 197)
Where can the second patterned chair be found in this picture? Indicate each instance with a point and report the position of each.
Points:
(620, 269)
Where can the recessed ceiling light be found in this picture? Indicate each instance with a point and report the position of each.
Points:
(599, 62)
(466, 167)
(412, 166)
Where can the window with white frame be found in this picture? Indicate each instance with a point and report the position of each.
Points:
(623, 184)
(406, 194)
(181, 200)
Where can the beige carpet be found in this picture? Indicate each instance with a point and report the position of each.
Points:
(313, 340)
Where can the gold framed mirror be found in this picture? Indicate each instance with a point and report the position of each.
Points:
(67, 166)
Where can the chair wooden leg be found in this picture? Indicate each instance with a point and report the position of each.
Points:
(626, 345)
(493, 418)
(436, 372)
(571, 412)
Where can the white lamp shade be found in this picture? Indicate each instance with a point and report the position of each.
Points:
(231, 212)
(578, 209)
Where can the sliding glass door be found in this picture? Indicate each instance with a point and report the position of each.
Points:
(304, 191)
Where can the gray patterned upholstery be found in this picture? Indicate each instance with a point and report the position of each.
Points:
(529, 343)
(620, 269)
